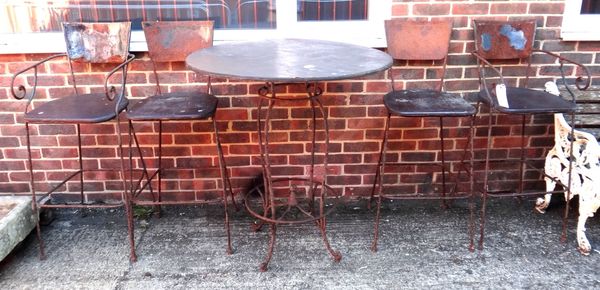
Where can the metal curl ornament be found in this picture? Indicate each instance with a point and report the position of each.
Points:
(21, 88)
(581, 83)
(111, 93)
(264, 91)
(580, 79)
(313, 90)
(22, 92)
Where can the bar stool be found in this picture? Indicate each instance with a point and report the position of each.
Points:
(91, 43)
(421, 40)
(169, 42)
(513, 40)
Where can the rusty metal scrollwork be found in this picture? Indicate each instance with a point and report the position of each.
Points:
(111, 91)
(21, 90)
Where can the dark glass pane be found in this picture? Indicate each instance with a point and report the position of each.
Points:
(590, 7)
(332, 10)
(26, 16)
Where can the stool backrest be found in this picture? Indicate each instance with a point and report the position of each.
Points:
(504, 39)
(418, 39)
(175, 40)
(97, 42)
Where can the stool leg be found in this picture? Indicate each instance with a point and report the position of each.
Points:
(224, 177)
(228, 180)
(79, 151)
(140, 186)
(522, 158)
(126, 196)
(34, 202)
(471, 225)
(225, 173)
(231, 193)
(379, 180)
(376, 177)
(485, 180)
(131, 194)
(443, 157)
(132, 190)
(160, 127)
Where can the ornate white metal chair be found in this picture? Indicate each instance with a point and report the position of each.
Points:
(585, 175)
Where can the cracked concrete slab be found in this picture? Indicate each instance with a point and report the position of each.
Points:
(421, 246)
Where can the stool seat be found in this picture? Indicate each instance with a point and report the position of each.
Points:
(85, 108)
(174, 106)
(528, 101)
(427, 103)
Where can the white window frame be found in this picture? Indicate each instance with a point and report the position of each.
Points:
(577, 26)
(363, 32)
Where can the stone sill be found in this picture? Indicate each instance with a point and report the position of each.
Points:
(16, 222)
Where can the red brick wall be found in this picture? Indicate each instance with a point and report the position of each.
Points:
(354, 106)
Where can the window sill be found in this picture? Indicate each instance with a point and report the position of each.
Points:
(54, 42)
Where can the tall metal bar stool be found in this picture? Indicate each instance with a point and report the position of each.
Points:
(513, 40)
(170, 42)
(93, 43)
(422, 40)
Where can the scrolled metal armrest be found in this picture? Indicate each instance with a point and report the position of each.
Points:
(481, 59)
(21, 91)
(581, 83)
(111, 92)
(481, 63)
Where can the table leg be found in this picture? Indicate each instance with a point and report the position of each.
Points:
(293, 211)
(322, 222)
(264, 266)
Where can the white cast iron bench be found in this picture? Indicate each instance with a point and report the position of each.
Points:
(585, 179)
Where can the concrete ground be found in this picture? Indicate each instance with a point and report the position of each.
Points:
(421, 246)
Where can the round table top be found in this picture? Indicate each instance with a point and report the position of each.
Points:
(289, 60)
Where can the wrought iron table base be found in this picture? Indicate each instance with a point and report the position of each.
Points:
(312, 212)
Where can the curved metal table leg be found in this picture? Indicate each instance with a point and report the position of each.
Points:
(269, 210)
(337, 256)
